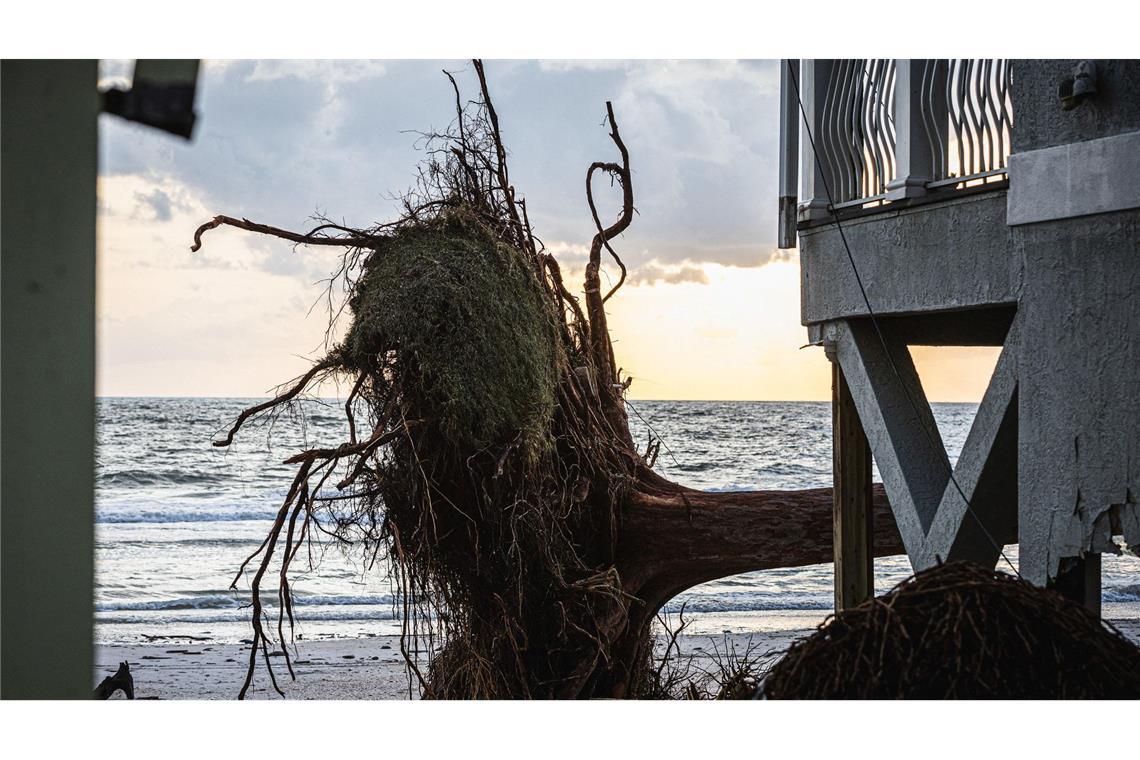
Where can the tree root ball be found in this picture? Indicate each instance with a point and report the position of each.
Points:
(465, 311)
(960, 631)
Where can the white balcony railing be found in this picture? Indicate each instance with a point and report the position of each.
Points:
(887, 129)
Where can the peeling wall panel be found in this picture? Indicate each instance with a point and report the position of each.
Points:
(1080, 386)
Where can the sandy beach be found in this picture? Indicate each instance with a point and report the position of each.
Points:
(364, 668)
(350, 668)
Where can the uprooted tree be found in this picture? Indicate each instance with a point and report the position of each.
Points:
(489, 461)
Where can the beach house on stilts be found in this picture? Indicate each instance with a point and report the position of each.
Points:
(974, 203)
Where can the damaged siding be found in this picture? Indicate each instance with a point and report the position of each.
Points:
(1079, 442)
(1080, 389)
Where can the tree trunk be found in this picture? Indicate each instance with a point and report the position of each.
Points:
(675, 541)
(673, 538)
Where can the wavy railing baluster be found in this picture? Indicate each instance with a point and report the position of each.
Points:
(854, 173)
(866, 119)
(934, 130)
(843, 144)
(840, 126)
(955, 124)
(888, 111)
(1000, 69)
(884, 132)
(1006, 120)
(985, 135)
(858, 125)
(859, 132)
(836, 129)
(980, 118)
(860, 135)
(873, 118)
(966, 119)
(827, 140)
(993, 102)
(968, 131)
(969, 116)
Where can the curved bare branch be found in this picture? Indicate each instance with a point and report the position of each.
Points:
(622, 174)
(321, 366)
(353, 238)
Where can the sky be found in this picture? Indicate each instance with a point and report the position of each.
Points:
(711, 310)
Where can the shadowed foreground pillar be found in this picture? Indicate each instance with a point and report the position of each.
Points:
(48, 168)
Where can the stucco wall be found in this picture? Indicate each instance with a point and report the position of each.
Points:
(1039, 121)
(1079, 442)
(1079, 388)
(942, 256)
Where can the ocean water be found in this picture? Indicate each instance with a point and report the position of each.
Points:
(175, 517)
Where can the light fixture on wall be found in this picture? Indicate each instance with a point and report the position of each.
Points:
(1079, 87)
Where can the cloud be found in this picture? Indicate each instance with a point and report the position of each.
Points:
(742, 255)
(702, 137)
(653, 272)
(329, 71)
(158, 202)
(149, 224)
(279, 141)
(666, 264)
(566, 251)
(587, 65)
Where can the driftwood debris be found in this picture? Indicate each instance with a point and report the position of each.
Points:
(121, 680)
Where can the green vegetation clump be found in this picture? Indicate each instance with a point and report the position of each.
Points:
(470, 326)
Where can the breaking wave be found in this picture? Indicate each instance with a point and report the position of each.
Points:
(238, 601)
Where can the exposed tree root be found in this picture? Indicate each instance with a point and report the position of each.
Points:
(489, 461)
(961, 631)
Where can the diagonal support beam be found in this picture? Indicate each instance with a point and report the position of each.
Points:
(987, 473)
(935, 521)
(906, 443)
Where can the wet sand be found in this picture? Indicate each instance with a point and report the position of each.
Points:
(367, 668)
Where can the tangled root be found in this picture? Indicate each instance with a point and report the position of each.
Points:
(960, 631)
(488, 450)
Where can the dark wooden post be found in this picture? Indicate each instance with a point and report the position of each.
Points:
(1079, 579)
(852, 509)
